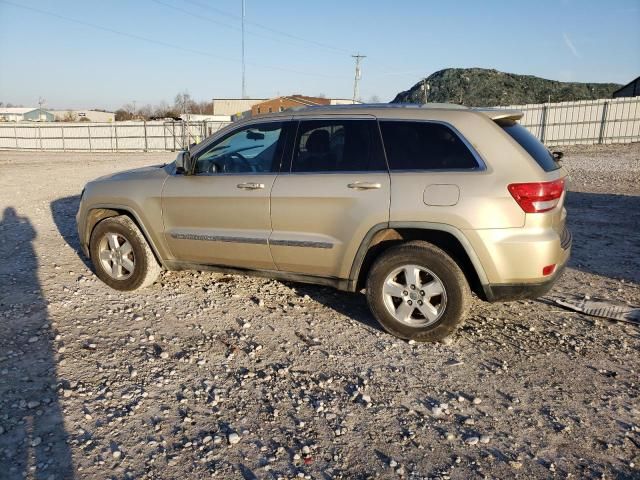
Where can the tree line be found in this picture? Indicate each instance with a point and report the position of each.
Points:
(183, 103)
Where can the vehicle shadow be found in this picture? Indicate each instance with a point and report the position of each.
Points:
(33, 439)
(606, 234)
(63, 211)
(351, 305)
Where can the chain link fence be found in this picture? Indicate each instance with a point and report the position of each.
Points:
(105, 137)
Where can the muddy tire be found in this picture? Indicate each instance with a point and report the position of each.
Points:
(121, 255)
(418, 292)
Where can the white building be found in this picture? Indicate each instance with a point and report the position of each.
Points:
(25, 114)
(234, 106)
(196, 117)
(81, 115)
(342, 101)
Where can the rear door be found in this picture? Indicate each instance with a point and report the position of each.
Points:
(434, 173)
(334, 190)
(220, 214)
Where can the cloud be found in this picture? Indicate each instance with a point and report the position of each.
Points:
(570, 45)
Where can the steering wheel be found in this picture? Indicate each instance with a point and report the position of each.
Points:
(213, 167)
(242, 160)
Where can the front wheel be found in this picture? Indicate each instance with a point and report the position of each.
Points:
(121, 256)
(417, 292)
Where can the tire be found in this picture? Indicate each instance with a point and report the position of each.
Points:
(136, 266)
(445, 293)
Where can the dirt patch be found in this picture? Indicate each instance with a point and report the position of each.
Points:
(205, 374)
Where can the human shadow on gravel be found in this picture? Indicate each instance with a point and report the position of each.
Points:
(64, 212)
(606, 234)
(33, 439)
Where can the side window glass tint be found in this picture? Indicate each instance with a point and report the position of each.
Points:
(338, 146)
(424, 146)
(532, 145)
(251, 150)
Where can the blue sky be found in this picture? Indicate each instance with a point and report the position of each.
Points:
(84, 54)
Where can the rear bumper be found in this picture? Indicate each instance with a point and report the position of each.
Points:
(505, 292)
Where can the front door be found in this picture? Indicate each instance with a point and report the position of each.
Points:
(334, 191)
(220, 215)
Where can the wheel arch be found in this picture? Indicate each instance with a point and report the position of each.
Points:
(99, 213)
(446, 237)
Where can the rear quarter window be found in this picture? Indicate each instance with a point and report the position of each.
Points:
(534, 147)
(424, 146)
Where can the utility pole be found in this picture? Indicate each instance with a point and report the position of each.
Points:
(244, 89)
(356, 80)
(41, 102)
(425, 90)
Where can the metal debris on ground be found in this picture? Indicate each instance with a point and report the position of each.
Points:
(597, 307)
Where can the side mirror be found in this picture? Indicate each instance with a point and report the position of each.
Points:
(183, 162)
(557, 155)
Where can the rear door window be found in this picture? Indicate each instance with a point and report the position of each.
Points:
(338, 146)
(534, 147)
(424, 146)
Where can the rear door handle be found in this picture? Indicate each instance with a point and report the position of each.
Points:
(364, 185)
(250, 186)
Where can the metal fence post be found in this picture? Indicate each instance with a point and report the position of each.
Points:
(115, 134)
(605, 108)
(40, 136)
(543, 123)
(15, 135)
(164, 135)
(89, 136)
(146, 142)
(62, 130)
(173, 130)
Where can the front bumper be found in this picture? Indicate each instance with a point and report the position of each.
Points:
(81, 217)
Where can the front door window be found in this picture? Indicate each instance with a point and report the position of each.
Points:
(252, 149)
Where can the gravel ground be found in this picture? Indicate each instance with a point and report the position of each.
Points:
(209, 375)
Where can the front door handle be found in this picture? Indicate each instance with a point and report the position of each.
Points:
(250, 186)
(364, 185)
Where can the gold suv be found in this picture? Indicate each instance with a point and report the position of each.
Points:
(418, 205)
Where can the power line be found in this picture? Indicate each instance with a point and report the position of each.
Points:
(206, 18)
(270, 29)
(160, 42)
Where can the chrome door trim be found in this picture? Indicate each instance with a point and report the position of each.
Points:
(250, 186)
(364, 185)
(250, 240)
(218, 238)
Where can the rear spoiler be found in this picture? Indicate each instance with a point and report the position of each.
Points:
(496, 114)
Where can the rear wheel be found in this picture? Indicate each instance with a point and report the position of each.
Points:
(416, 291)
(121, 256)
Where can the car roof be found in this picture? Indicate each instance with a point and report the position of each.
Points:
(394, 110)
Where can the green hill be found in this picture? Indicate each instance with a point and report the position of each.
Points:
(481, 87)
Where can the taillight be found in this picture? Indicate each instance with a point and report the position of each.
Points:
(537, 197)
